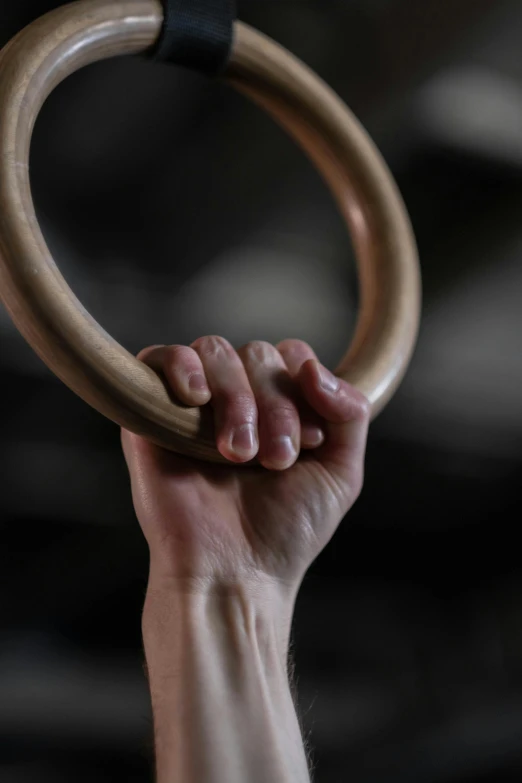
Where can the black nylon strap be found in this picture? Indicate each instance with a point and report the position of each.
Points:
(197, 34)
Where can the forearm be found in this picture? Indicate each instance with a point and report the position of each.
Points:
(217, 666)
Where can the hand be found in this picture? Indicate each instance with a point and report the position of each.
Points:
(211, 526)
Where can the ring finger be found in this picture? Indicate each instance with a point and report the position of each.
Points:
(295, 353)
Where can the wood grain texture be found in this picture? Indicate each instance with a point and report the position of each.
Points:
(54, 322)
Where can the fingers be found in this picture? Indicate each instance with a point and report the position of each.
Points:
(267, 401)
(242, 387)
(183, 371)
(279, 423)
(295, 353)
(233, 401)
(346, 413)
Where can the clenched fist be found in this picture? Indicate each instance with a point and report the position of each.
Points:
(212, 526)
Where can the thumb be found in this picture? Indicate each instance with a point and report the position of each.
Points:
(346, 413)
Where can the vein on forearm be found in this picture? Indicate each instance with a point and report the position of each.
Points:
(223, 710)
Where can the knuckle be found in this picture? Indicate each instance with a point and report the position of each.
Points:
(281, 413)
(240, 405)
(180, 355)
(359, 405)
(259, 351)
(362, 407)
(293, 346)
(212, 346)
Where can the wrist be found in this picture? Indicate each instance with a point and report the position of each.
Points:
(239, 617)
(217, 662)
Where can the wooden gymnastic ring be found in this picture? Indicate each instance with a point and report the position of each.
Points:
(54, 322)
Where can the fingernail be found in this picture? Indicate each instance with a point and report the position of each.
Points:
(244, 441)
(198, 383)
(312, 437)
(284, 451)
(328, 380)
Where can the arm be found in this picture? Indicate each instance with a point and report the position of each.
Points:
(223, 711)
(229, 548)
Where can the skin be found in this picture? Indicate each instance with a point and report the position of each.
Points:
(229, 547)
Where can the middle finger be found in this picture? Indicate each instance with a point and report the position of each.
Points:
(279, 424)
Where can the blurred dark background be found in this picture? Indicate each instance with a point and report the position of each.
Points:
(176, 209)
